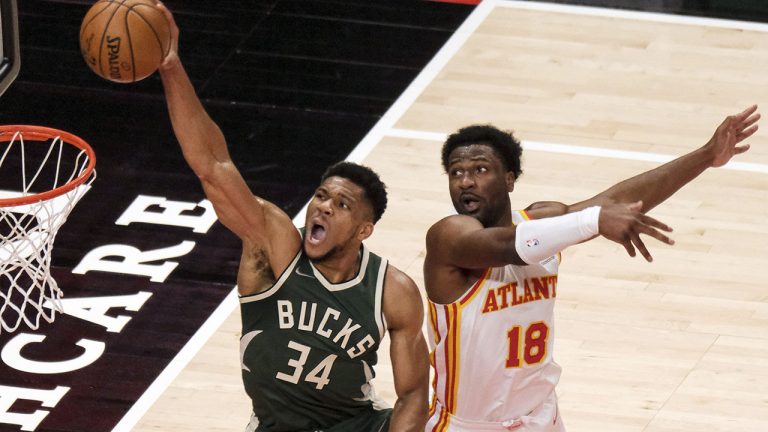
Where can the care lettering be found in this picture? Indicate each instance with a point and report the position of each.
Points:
(114, 258)
(28, 422)
(125, 259)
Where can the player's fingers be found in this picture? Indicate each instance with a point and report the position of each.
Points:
(168, 15)
(638, 242)
(747, 112)
(741, 149)
(647, 220)
(749, 121)
(746, 133)
(174, 47)
(628, 246)
(652, 232)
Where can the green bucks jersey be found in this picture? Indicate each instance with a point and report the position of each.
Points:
(309, 346)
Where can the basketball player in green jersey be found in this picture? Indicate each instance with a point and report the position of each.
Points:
(315, 303)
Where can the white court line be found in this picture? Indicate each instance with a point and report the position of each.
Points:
(581, 150)
(633, 15)
(425, 77)
(414, 90)
(178, 364)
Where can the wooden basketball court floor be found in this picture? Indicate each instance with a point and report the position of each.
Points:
(596, 95)
(680, 344)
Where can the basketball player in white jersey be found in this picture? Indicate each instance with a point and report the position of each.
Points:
(491, 274)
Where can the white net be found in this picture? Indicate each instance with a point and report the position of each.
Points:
(49, 176)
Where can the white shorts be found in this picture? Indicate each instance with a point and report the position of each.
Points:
(544, 418)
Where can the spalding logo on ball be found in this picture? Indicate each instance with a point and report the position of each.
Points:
(124, 40)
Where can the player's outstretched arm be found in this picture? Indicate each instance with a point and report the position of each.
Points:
(457, 245)
(655, 186)
(404, 313)
(201, 140)
(266, 231)
(462, 242)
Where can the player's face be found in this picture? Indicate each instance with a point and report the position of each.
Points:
(479, 184)
(338, 219)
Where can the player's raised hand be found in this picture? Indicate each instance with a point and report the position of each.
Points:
(733, 130)
(623, 223)
(173, 52)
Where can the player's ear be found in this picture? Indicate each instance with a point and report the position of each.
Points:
(365, 230)
(510, 179)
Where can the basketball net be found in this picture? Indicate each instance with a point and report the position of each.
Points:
(43, 174)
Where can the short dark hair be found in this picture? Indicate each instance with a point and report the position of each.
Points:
(366, 178)
(504, 143)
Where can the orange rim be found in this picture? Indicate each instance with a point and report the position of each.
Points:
(41, 133)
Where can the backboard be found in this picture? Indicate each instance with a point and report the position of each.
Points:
(9, 43)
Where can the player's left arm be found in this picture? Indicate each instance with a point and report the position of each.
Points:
(404, 313)
(655, 186)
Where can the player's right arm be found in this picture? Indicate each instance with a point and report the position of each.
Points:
(463, 242)
(658, 184)
(268, 235)
(458, 246)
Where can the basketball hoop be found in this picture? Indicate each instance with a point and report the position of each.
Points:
(43, 174)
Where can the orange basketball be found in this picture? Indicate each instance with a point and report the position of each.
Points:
(124, 40)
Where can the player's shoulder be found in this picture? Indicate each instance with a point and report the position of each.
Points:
(277, 220)
(455, 219)
(545, 209)
(396, 279)
(402, 302)
(452, 224)
(272, 209)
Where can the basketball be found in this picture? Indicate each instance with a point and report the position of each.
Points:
(124, 40)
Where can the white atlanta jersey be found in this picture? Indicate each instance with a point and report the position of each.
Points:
(492, 352)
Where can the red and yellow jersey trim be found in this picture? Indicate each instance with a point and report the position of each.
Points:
(475, 288)
(451, 358)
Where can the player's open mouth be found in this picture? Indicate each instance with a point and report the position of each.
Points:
(470, 203)
(317, 234)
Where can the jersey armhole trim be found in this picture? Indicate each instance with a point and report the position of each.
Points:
(381, 320)
(470, 294)
(280, 281)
